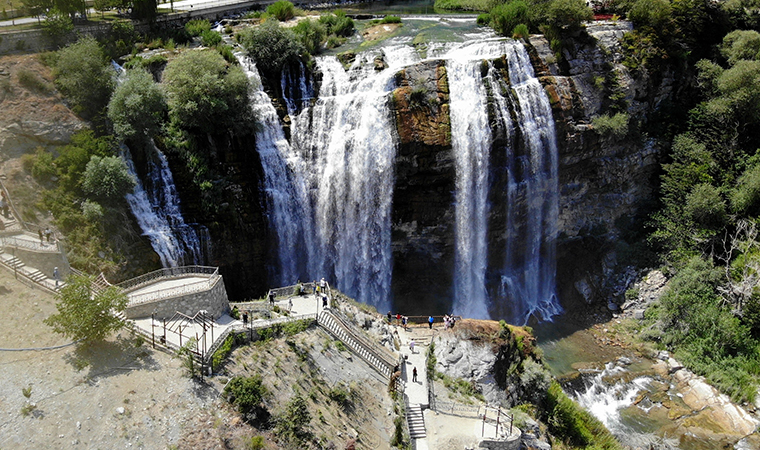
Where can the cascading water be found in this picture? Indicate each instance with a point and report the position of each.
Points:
(288, 208)
(532, 196)
(330, 188)
(157, 211)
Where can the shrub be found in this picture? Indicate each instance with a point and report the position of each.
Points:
(506, 16)
(705, 206)
(311, 33)
(138, 106)
(484, 19)
(57, 26)
(653, 13)
(205, 92)
(340, 394)
(33, 82)
(92, 210)
(43, 168)
(338, 23)
(211, 38)
(282, 10)
(615, 126)
(520, 32)
(248, 394)
(107, 179)
(569, 13)
(745, 198)
(271, 46)
(196, 27)
(741, 44)
(292, 421)
(83, 75)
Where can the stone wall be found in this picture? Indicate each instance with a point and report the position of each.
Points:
(510, 443)
(45, 262)
(213, 300)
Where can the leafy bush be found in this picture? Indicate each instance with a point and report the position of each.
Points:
(521, 32)
(340, 394)
(386, 19)
(92, 210)
(84, 76)
(107, 179)
(569, 13)
(292, 421)
(338, 24)
(271, 46)
(86, 315)
(57, 26)
(705, 206)
(506, 16)
(741, 44)
(211, 38)
(205, 92)
(311, 33)
(745, 198)
(615, 126)
(138, 106)
(196, 27)
(654, 13)
(42, 167)
(248, 394)
(484, 19)
(297, 326)
(282, 10)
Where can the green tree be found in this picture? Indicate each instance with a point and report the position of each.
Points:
(83, 75)
(705, 206)
(741, 44)
(293, 420)
(57, 26)
(85, 315)
(107, 179)
(271, 46)
(745, 198)
(137, 107)
(282, 10)
(654, 13)
(205, 92)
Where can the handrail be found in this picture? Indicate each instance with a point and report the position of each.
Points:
(386, 364)
(173, 291)
(13, 241)
(166, 272)
(379, 350)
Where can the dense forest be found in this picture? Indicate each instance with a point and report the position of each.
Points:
(703, 232)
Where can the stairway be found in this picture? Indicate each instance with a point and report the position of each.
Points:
(416, 422)
(349, 337)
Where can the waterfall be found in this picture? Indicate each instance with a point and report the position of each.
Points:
(471, 141)
(528, 278)
(532, 194)
(288, 209)
(330, 186)
(157, 211)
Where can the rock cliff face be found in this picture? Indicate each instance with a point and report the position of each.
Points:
(606, 182)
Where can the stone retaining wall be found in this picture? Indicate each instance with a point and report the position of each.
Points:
(213, 300)
(510, 443)
(45, 262)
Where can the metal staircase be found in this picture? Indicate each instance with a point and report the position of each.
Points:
(375, 355)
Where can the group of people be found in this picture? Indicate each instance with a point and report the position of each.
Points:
(448, 321)
(45, 235)
(320, 289)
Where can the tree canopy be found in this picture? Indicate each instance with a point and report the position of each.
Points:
(205, 92)
(137, 107)
(84, 315)
(83, 75)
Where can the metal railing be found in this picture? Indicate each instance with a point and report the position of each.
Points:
(165, 273)
(173, 291)
(13, 241)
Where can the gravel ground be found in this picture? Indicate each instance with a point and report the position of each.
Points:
(127, 396)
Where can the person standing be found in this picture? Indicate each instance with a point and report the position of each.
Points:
(40, 233)
(404, 322)
(55, 275)
(290, 305)
(324, 300)
(414, 375)
(411, 346)
(430, 321)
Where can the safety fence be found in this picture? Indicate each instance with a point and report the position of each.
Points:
(168, 273)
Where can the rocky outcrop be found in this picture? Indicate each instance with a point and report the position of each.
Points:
(423, 202)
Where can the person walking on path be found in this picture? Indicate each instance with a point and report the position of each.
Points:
(405, 322)
(315, 288)
(55, 275)
(414, 375)
(411, 346)
(290, 305)
(430, 321)
(40, 233)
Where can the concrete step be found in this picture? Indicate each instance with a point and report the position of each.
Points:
(416, 422)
